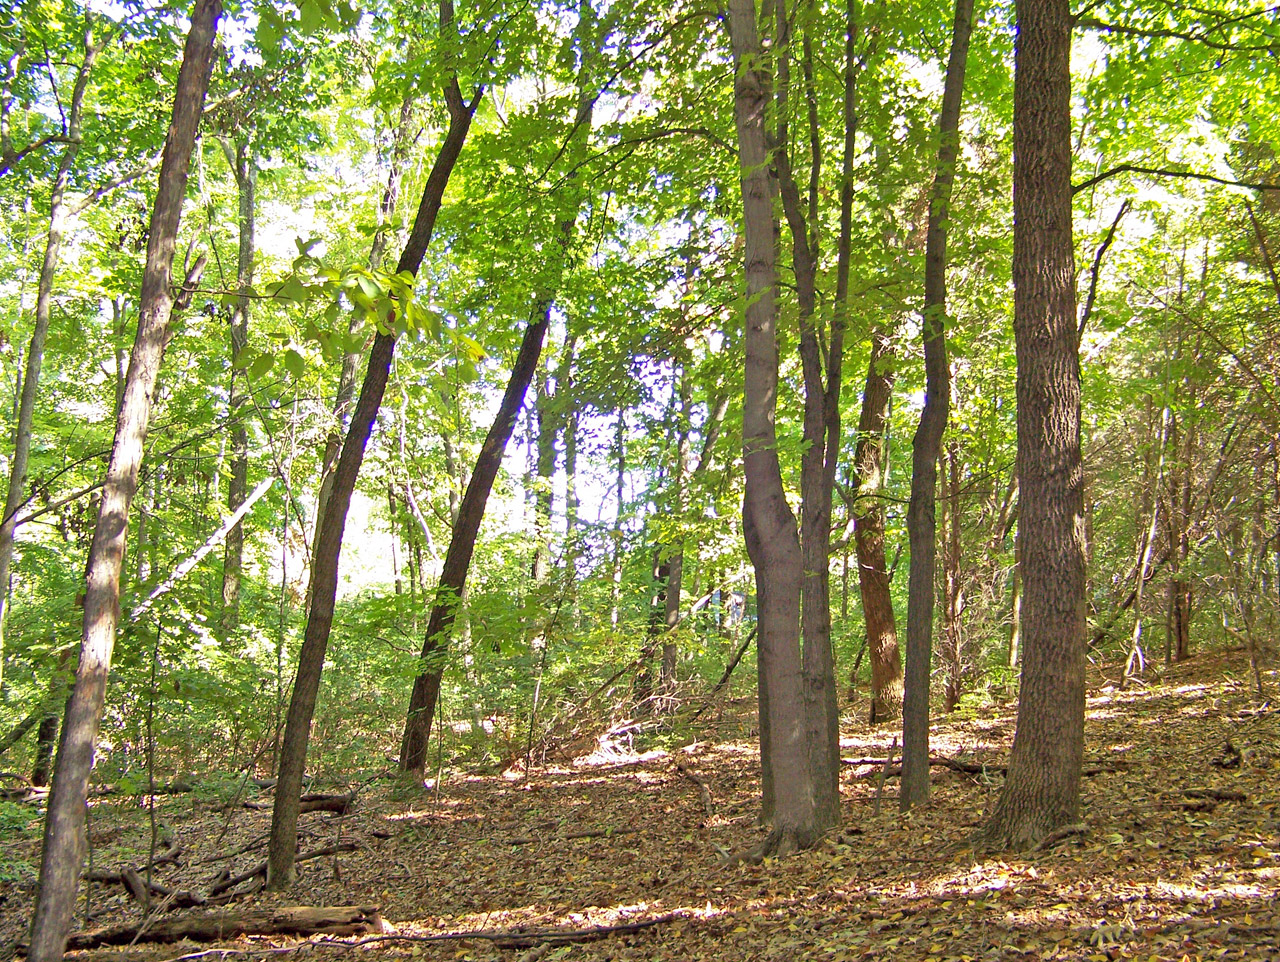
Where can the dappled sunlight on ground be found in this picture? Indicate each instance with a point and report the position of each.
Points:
(1179, 859)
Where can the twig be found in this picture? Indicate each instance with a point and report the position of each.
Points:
(261, 867)
(707, 802)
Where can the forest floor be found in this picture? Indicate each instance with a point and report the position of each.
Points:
(1179, 858)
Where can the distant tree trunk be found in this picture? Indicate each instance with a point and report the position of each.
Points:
(675, 561)
(64, 832)
(457, 562)
(927, 443)
(324, 569)
(240, 158)
(1042, 790)
(620, 455)
(544, 474)
(15, 494)
(46, 735)
(869, 525)
(953, 600)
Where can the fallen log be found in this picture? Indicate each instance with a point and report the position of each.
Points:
(216, 926)
(314, 802)
(116, 876)
(142, 890)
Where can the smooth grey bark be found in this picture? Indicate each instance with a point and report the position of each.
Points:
(793, 793)
(1042, 789)
(323, 589)
(244, 167)
(927, 443)
(821, 428)
(15, 493)
(64, 832)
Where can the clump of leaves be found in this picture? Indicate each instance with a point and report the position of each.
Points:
(16, 820)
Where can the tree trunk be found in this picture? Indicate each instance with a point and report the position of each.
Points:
(620, 454)
(466, 526)
(64, 834)
(953, 586)
(245, 169)
(675, 561)
(14, 495)
(457, 561)
(1042, 790)
(794, 795)
(324, 569)
(404, 138)
(868, 532)
(927, 443)
(544, 475)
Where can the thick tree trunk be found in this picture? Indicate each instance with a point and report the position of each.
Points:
(324, 570)
(14, 495)
(927, 443)
(794, 796)
(246, 173)
(64, 834)
(868, 532)
(1042, 791)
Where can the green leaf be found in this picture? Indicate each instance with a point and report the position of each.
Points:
(261, 365)
(295, 363)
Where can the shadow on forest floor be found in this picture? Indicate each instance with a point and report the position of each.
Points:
(1170, 868)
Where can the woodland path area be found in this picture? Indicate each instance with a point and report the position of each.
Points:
(1178, 859)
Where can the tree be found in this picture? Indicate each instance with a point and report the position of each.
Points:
(926, 446)
(324, 572)
(466, 525)
(796, 685)
(1042, 790)
(64, 837)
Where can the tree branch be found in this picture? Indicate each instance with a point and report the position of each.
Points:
(1167, 172)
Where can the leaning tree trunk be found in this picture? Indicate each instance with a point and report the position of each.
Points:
(466, 527)
(242, 161)
(35, 352)
(324, 569)
(927, 444)
(1042, 789)
(64, 831)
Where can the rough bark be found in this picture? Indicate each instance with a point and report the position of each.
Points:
(927, 443)
(324, 571)
(869, 532)
(289, 920)
(14, 495)
(64, 834)
(1042, 791)
(241, 160)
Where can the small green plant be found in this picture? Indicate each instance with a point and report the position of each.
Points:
(16, 821)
